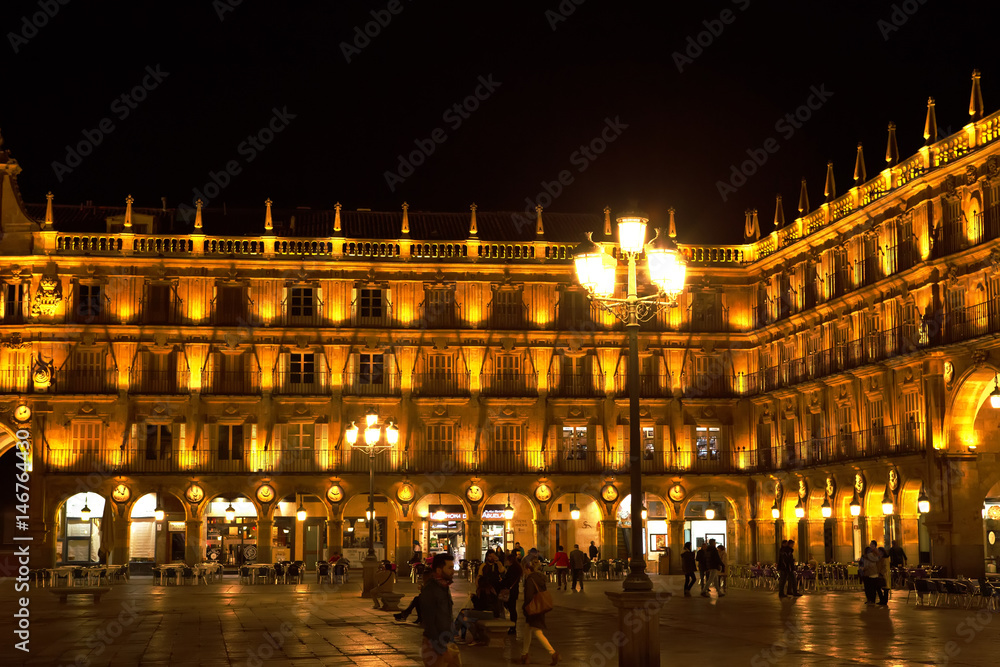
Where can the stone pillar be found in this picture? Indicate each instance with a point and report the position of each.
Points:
(609, 539)
(816, 544)
(542, 537)
(264, 540)
(473, 539)
(753, 547)
(194, 551)
(335, 535)
(637, 640)
(935, 402)
(119, 555)
(404, 547)
(675, 540)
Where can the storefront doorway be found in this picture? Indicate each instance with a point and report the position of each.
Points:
(231, 540)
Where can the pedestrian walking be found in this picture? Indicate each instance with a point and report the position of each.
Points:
(791, 580)
(884, 577)
(700, 558)
(534, 614)
(561, 563)
(509, 588)
(723, 572)
(869, 573)
(593, 551)
(689, 567)
(438, 648)
(713, 565)
(577, 565)
(897, 558)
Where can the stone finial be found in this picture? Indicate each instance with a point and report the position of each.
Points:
(268, 221)
(830, 189)
(930, 125)
(197, 213)
(976, 109)
(803, 198)
(779, 213)
(473, 225)
(859, 166)
(672, 228)
(607, 221)
(405, 231)
(128, 213)
(891, 149)
(336, 218)
(750, 230)
(754, 221)
(49, 217)
(539, 227)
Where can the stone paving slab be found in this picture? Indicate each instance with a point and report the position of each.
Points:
(312, 624)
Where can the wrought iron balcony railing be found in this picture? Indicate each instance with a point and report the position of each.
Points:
(509, 384)
(576, 385)
(441, 384)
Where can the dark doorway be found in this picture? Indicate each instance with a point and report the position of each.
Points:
(176, 546)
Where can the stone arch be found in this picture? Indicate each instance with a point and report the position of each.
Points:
(8, 439)
(519, 499)
(972, 389)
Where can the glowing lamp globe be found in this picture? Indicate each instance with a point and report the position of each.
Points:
(595, 269)
(230, 513)
(995, 395)
(574, 513)
(800, 511)
(710, 514)
(439, 515)
(826, 510)
(508, 512)
(644, 513)
(775, 513)
(667, 266)
(85, 512)
(300, 513)
(855, 509)
(632, 233)
(351, 434)
(392, 434)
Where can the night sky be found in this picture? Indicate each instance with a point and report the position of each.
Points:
(551, 77)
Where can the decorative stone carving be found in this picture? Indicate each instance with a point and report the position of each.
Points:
(993, 165)
(831, 487)
(950, 184)
(949, 373)
(979, 357)
(803, 489)
(41, 372)
(971, 174)
(893, 480)
(14, 342)
(48, 298)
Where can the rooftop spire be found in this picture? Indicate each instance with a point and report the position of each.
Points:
(830, 189)
(197, 213)
(473, 225)
(128, 213)
(48, 210)
(336, 218)
(268, 222)
(803, 198)
(406, 219)
(607, 221)
(779, 213)
(930, 125)
(976, 100)
(672, 233)
(859, 166)
(539, 227)
(891, 149)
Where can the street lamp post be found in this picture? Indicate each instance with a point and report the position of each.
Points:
(597, 273)
(373, 444)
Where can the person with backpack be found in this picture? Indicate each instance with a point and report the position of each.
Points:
(537, 603)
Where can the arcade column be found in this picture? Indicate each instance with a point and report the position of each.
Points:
(542, 537)
(194, 550)
(335, 535)
(404, 547)
(264, 540)
(473, 539)
(609, 539)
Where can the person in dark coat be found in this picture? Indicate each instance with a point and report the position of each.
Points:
(577, 565)
(701, 558)
(511, 583)
(436, 607)
(534, 583)
(594, 551)
(689, 567)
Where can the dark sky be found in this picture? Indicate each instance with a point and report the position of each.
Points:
(560, 78)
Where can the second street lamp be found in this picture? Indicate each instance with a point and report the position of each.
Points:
(597, 272)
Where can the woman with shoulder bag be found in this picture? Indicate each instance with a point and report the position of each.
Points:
(537, 603)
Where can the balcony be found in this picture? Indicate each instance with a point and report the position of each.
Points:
(440, 384)
(973, 321)
(160, 312)
(440, 316)
(509, 384)
(903, 256)
(16, 381)
(371, 384)
(651, 385)
(235, 313)
(708, 385)
(157, 382)
(576, 385)
(708, 321)
(507, 317)
(868, 271)
(300, 383)
(889, 440)
(837, 284)
(93, 309)
(233, 383)
(74, 381)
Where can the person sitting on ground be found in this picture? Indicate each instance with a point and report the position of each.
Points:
(383, 583)
(485, 605)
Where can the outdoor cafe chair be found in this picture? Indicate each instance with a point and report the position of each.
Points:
(323, 572)
(245, 574)
(340, 572)
(279, 573)
(294, 572)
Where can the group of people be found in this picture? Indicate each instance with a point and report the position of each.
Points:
(498, 587)
(711, 562)
(876, 573)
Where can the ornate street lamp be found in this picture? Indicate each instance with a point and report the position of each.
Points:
(995, 394)
(826, 509)
(923, 502)
(574, 511)
(710, 511)
(887, 505)
(856, 504)
(85, 512)
(374, 443)
(300, 513)
(508, 511)
(230, 513)
(158, 513)
(800, 510)
(439, 514)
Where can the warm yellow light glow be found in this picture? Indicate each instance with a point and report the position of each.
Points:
(775, 513)
(423, 513)
(855, 510)
(887, 508)
(595, 269)
(300, 513)
(574, 513)
(800, 511)
(887, 505)
(392, 434)
(667, 266)
(372, 435)
(924, 506)
(645, 513)
(995, 395)
(710, 514)
(230, 513)
(827, 511)
(351, 435)
(632, 233)
(370, 418)
(440, 514)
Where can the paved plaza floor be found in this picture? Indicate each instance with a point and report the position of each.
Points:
(312, 625)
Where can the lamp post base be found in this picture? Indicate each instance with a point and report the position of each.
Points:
(369, 567)
(637, 640)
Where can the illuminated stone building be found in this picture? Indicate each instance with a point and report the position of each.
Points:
(846, 357)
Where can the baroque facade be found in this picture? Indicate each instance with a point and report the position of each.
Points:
(847, 356)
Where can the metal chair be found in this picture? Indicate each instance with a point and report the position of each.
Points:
(245, 574)
(279, 573)
(339, 573)
(323, 572)
(294, 572)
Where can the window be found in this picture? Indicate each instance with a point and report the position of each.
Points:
(648, 442)
(156, 310)
(707, 443)
(231, 303)
(370, 369)
(910, 402)
(370, 303)
(574, 442)
(508, 437)
(439, 366)
(230, 442)
(302, 304)
(301, 368)
(507, 309)
(88, 363)
(86, 436)
(508, 365)
(159, 441)
(301, 436)
(13, 303)
(439, 306)
(90, 300)
(574, 310)
(440, 438)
